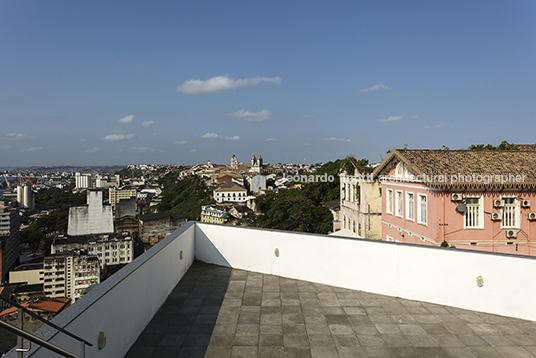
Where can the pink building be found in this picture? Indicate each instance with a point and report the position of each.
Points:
(480, 200)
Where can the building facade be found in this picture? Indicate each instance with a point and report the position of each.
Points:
(114, 195)
(109, 249)
(67, 274)
(9, 240)
(230, 193)
(479, 200)
(359, 209)
(211, 214)
(159, 224)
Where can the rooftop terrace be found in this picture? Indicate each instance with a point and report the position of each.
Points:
(272, 294)
(222, 312)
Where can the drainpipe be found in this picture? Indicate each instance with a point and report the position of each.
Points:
(443, 216)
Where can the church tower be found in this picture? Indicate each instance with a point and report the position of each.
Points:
(234, 162)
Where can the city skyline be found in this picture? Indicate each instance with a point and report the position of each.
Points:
(183, 83)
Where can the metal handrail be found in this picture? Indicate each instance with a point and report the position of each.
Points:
(35, 339)
(21, 333)
(48, 323)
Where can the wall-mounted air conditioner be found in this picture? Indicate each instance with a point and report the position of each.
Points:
(456, 197)
(525, 203)
(461, 208)
(498, 203)
(511, 234)
(532, 216)
(495, 216)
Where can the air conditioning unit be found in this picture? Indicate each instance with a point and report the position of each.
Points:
(511, 234)
(498, 203)
(456, 197)
(532, 216)
(525, 203)
(461, 208)
(495, 216)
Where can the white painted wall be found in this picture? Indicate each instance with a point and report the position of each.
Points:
(124, 304)
(436, 275)
(93, 218)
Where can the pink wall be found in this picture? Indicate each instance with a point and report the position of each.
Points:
(445, 223)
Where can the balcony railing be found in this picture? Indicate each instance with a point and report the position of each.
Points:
(21, 333)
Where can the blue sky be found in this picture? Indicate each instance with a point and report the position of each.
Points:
(121, 82)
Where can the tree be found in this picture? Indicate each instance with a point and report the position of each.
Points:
(503, 146)
(184, 196)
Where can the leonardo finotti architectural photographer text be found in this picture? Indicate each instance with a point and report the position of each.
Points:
(324, 178)
(451, 178)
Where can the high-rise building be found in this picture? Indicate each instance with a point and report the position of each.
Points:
(9, 240)
(67, 274)
(82, 181)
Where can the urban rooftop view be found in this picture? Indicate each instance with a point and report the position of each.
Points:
(215, 179)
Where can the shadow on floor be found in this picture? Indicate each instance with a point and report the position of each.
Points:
(183, 326)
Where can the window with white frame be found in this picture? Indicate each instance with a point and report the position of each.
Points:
(399, 203)
(473, 213)
(389, 203)
(410, 206)
(422, 214)
(510, 213)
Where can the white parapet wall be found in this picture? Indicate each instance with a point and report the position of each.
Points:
(122, 306)
(430, 274)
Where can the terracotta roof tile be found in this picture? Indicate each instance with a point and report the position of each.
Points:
(466, 162)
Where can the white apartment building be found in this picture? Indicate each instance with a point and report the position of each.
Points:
(110, 250)
(82, 181)
(68, 274)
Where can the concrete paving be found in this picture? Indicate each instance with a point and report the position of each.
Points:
(221, 312)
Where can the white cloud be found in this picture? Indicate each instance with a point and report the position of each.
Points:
(376, 87)
(147, 123)
(127, 119)
(217, 136)
(416, 117)
(92, 150)
(15, 136)
(391, 119)
(193, 151)
(338, 139)
(436, 126)
(32, 149)
(5, 146)
(181, 141)
(210, 136)
(221, 84)
(271, 140)
(117, 137)
(247, 116)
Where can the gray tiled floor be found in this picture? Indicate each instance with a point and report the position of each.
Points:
(221, 312)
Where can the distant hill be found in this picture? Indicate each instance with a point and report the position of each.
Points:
(68, 168)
